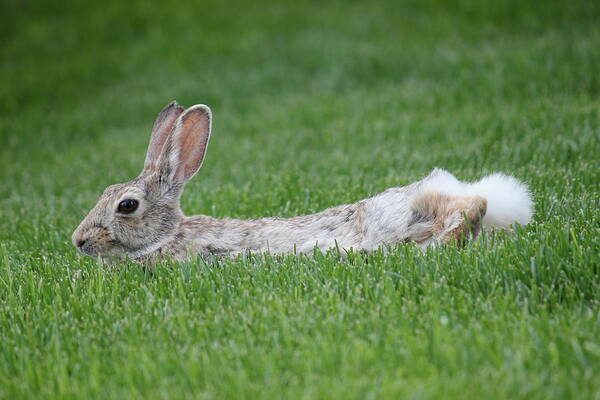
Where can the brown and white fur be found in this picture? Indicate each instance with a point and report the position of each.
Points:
(436, 210)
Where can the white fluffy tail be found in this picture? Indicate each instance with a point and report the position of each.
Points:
(509, 200)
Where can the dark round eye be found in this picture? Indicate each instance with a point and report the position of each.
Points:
(128, 206)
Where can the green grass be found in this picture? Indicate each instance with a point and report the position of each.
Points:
(315, 104)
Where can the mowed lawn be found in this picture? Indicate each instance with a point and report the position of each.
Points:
(315, 104)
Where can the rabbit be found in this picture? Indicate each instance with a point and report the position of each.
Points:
(142, 219)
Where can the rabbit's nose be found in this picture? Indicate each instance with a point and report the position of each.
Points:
(78, 239)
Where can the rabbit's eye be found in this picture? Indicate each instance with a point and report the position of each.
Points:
(128, 206)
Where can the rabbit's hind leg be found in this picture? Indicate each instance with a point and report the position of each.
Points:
(463, 220)
(439, 218)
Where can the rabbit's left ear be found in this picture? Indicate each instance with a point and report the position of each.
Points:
(163, 125)
(184, 151)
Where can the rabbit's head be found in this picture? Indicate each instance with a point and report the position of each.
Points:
(138, 217)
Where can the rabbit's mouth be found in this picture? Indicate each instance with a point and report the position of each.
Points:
(86, 246)
(98, 243)
(92, 249)
(87, 250)
(112, 251)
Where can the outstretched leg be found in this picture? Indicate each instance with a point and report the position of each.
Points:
(439, 218)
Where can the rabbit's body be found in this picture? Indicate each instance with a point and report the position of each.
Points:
(397, 215)
(142, 218)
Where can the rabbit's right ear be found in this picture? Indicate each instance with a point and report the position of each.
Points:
(163, 125)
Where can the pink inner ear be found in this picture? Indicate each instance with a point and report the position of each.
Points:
(195, 126)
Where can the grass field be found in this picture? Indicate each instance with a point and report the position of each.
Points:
(315, 104)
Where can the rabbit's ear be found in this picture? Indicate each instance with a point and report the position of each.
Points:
(185, 148)
(163, 125)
